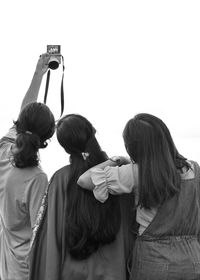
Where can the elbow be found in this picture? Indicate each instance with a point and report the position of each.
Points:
(85, 182)
(81, 182)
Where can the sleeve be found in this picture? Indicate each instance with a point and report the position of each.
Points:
(34, 194)
(10, 136)
(114, 180)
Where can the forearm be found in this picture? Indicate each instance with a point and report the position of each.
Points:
(85, 180)
(33, 91)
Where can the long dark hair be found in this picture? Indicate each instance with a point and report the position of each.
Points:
(149, 144)
(34, 126)
(89, 223)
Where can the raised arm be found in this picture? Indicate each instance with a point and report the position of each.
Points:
(33, 90)
(31, 94)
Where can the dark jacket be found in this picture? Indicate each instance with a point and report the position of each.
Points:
(46, 256)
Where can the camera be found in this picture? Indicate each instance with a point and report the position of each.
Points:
(55, 56)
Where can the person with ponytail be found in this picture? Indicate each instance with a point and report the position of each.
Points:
(167, 196)
(22, 180)
(80, 238)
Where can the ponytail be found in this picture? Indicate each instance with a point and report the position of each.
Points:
(34, 126)
(26, 152)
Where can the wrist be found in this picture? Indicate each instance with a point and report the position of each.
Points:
(116, 160)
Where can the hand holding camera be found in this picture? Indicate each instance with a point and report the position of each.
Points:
(43, 63)
(49, 60)
(55, 56)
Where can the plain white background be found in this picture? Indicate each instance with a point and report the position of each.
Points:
(121, 57)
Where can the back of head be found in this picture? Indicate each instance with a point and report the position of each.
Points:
(74, 133)
(149, 143)
(34, 126)
(89, 224)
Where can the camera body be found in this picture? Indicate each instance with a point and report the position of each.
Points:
(55, 56)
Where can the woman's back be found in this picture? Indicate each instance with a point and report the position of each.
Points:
(109, 262)
(180, 215)
(169, 247)
(21, 191)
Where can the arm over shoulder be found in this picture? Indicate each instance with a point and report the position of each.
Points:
(114, 180)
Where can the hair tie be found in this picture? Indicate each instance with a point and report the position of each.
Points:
(28, 132)
(85, 155)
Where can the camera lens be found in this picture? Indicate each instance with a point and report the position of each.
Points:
(53, 63)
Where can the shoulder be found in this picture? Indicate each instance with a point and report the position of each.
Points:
(30, 173)
(5, 150)
(61, 173)
(60, 178)
(192, 172)
(195, 168)
(6, 143)
(35, 179)
(27, 176)
(9, 137)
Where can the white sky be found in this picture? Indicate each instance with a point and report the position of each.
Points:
(121, 57)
